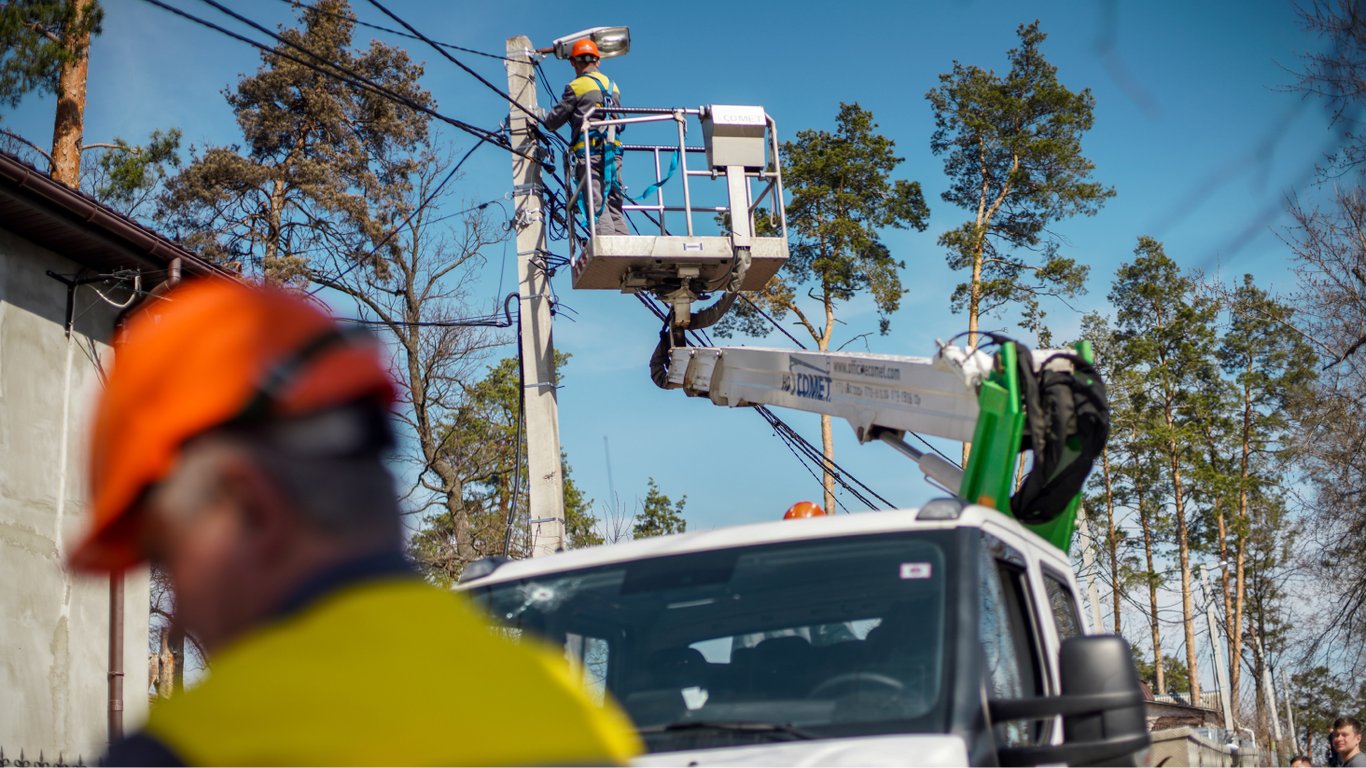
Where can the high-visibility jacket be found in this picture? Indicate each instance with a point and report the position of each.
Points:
(591, 89)
(385, 671)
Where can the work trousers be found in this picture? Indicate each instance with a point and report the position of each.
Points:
(612, 221)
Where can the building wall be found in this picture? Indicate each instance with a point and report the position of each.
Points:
(54, 636)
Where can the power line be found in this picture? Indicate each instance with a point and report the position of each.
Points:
(496, 320)
(348, 75)
(340, 73)
(451, 58)
(390, 30)
(425, 202)
(796, 443)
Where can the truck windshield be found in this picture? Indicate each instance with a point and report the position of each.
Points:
(813, 639)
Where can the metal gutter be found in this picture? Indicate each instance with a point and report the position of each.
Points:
(138, 241)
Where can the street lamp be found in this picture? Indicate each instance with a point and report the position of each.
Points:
(611, 41)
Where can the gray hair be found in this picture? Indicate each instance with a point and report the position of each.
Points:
(330, 465)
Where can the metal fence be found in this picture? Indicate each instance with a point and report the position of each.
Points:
(7, 759)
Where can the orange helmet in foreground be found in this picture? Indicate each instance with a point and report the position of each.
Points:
(804, 509)
(213, 352)
(585, 47)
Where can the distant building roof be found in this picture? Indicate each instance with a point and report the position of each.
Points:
(77, 226)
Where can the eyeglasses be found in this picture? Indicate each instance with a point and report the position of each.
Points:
(587, 60)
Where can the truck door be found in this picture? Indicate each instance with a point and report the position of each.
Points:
(1010, 639)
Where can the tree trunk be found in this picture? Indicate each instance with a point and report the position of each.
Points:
(1111, 539)
(827, 433)
(1184, 557)
(1160, 673)
(69, 125)
(1235, 636)
(178, 656)
(1221, 528)
(1182, 536)
(974, 302)
(167, 665)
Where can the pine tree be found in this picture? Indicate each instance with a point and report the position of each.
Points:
(45, 46)
(659, 515)
(1165, 335)
(1012, 152)
(305, 196)
(842, 196)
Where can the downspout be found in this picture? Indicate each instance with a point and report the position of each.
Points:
(115, 657)
(116, 590)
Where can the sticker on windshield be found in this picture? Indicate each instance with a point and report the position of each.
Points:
(915, 570)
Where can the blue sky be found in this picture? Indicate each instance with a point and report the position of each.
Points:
(1195, 129)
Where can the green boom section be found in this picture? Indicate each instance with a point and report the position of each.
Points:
(989, 477)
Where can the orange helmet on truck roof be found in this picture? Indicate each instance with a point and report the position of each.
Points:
(804, 509)
(585, 47)
(212, 353)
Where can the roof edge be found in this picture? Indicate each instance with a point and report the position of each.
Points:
(85, 209)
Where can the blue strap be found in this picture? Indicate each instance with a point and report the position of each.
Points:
(650, 190)
(610, 172)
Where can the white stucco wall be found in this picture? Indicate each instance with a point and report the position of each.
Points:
(53, 626)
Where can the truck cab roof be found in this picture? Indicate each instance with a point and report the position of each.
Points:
(939, 514)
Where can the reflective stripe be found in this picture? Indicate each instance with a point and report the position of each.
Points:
(595, 81)
(390, 672)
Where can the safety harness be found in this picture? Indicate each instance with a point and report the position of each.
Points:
(604, 143)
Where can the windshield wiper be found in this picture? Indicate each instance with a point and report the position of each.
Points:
(745, 726)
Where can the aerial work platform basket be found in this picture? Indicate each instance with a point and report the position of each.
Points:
(670, 256)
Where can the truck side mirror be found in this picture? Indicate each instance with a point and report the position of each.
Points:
(1101, 706)
(1103, 664)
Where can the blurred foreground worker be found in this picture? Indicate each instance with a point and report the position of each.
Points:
(238, 445)
(589, 89)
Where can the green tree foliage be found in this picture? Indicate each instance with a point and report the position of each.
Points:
(1320, 697)
(125, 176)
(659, 515)
(481, 445)
(1270, 371)
(1012, 152)
(842, 194)
(1165, 335)
(34, 45)
(44, 47)
(1174, 672)
(307, 191)
(1130, 478)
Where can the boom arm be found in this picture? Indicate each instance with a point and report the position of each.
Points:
(957, 394)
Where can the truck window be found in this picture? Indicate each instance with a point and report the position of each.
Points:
(1007, 638)
(842, 637)
(1063, 607)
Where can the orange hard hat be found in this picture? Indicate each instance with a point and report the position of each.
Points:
(213, 352)
(585, 47)
(804, 509)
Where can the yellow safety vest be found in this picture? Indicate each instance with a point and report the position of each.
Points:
(594, 82)
(390, 672)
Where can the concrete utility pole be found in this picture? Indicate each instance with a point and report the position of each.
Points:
(1216, 649)
(1088, 564)
(1269, 691)
(1289, 713)
(545, 484)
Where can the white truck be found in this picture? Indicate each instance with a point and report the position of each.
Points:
(947, 635)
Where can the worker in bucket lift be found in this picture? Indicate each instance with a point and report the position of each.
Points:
(239, 446)
(591, 88)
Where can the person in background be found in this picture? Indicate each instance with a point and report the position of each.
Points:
(1346, 740)
(239, 446)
